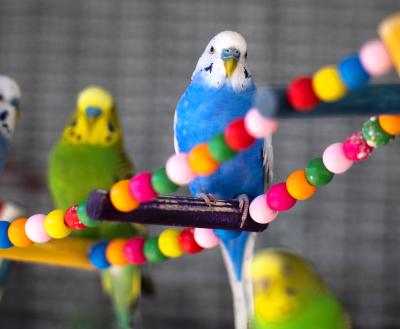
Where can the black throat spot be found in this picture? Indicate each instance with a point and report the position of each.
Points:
(209, 68)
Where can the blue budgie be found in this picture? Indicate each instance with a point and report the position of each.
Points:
(10, 95)
(221, 90)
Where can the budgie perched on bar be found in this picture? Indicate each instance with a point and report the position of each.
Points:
(288, 294)
(88, 156)
(221, 90)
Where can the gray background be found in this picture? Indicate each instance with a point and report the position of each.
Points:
(145, 51)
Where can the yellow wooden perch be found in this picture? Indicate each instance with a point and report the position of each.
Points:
(68, 252)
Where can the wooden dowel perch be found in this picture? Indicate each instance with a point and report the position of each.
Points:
(368, 101)
(175, 211)
(68, 252)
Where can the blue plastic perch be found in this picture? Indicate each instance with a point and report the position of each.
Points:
(368, 101)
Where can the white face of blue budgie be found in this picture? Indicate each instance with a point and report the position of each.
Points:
(9, 91)
(224, 61)
(10, 95)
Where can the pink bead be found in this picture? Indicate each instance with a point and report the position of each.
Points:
(259, 126)
(133, 251)
(260, 211)
(205, 237)
(178, 169)
(141, 188)
(34, 229)
(278, 197)
(335, 160)
(356, 148)
(375, 58)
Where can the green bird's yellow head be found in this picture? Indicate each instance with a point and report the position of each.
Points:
(95, 121)
(283, 285)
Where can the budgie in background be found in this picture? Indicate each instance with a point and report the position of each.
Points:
(289, 294)
(221, 90)
(88, 156)
(10, 95)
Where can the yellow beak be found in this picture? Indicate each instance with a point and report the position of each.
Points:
(230, 64)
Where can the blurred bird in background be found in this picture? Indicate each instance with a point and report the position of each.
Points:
(10, 95)
(221, 90)
(90, 155)
(289, 294)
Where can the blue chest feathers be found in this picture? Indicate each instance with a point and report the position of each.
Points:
(201, 113)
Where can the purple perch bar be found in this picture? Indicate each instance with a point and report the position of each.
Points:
(174, 211)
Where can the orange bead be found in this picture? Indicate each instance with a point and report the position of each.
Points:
(390, 123)
(298, 185)
(17, 235)
(121, 197)
(115, 252)
(201, 161)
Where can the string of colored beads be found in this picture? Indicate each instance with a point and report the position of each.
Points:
(328, 84)
(58, 224)
(336, 159)
(331, 83)
(171, 243)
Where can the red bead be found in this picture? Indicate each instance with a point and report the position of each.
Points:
(301, 94)
(71, 219)
(134, 251)
(188, 243)
(141, 188)
(237, 137)
(278, 197)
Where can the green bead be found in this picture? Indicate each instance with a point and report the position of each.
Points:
(83, 216)
(317, 174)
(374, 135)
(161, 183)
(152, 251)
(219, 150)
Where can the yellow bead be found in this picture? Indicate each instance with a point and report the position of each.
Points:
(54, 224)
(327, 84)
(168, 243)
(389, 31)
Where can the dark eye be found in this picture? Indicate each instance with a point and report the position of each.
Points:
(3, 115)
(245, 55)
(212, 50)
(1, 97)
(111, 127)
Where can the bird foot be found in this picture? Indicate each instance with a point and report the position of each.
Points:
(244, 204)
(209, 199)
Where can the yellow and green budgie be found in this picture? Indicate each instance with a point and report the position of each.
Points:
(288, 294)
(90, 155)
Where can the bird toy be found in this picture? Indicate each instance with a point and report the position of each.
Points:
(226, 157)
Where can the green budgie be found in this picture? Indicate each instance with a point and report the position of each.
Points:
(88, 156)
(288, 294)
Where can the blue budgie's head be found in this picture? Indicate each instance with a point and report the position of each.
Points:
(223, 62)
(10, 95)
(9, 91)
